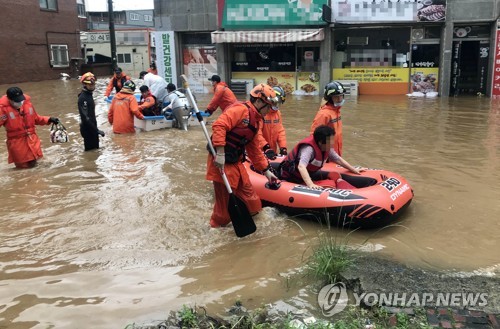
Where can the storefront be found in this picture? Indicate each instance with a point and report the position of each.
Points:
(277, 43)
(389, 47)
(470, 59)
(293, 65)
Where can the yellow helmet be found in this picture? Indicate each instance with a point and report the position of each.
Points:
(266, 93)
(88, 78)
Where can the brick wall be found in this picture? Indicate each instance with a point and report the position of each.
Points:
(28, 32)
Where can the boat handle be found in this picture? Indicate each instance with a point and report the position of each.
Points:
(274, 185)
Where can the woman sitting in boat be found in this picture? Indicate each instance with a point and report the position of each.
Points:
(303, 164)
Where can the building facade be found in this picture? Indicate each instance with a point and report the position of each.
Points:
(43, 39)
(133, 49)
(387, 47)
(134, 52)
(124, 19)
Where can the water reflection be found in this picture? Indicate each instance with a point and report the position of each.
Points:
(122, 233)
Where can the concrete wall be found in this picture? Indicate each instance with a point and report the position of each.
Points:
(185, 15)
(24, 51)
(472, 10)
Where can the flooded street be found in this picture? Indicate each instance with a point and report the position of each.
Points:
(118, 235)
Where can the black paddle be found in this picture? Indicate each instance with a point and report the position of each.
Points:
(238, 212)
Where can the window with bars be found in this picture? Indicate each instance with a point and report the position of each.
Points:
(124, 58)
(48, 5)
(59, 56)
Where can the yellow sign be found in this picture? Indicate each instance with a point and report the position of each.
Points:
(379, 74)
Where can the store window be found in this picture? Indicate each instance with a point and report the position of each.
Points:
(371, 48)
(424, 55)
(264, 57)
(307, 58)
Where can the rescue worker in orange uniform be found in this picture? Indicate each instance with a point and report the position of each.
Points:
(123, 109)
(232, 134)
(116, 81)
(273, 137)
(329, 113)
(19, 118)
(148, 105)
(223, 96)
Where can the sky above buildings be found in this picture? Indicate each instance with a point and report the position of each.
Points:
(102, 5)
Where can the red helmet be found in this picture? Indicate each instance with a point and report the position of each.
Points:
(266, 93)
(88, 78)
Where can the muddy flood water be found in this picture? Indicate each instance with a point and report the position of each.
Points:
(120, 235)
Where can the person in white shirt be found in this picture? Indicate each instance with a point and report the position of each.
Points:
(156, 85)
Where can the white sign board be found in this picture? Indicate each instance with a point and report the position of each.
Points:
(165, 55)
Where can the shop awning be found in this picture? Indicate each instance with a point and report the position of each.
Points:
(267, 36)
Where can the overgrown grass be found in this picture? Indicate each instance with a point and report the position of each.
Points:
(188, 318)
(330, 258)
(378, 318)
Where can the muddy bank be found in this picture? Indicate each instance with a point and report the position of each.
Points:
(370, 276)
(378, 275)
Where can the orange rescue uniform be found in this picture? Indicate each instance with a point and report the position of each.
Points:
(23, 143)
(329, 115)
(117, 83)
(122, 111)
(223, 97)
(235, 116)
(148, 103)
(273, 132)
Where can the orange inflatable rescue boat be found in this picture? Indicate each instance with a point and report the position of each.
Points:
(378, 200)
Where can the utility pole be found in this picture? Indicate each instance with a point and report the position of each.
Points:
(112, 33)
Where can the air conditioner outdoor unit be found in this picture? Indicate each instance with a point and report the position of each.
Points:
(417, 34)
(357, 41)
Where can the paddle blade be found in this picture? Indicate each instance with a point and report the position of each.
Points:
(240, 216)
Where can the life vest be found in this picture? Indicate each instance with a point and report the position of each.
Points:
(180, 101)
(289, 166)
(19, 130)
(153, 110)
(123, 79)
(238, 137)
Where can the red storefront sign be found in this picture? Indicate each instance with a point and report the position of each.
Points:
(495, 86)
